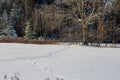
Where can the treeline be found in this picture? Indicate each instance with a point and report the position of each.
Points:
(86, 21)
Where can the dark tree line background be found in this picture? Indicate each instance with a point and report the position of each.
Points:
(86, 21)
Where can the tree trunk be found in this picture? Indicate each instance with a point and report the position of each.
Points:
(83, 33)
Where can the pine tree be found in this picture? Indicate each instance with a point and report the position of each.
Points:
(14, 15)
(28, 31)
(3, 24)
(10, 27)
(1, 28)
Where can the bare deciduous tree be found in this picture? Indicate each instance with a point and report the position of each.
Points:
(86, 11)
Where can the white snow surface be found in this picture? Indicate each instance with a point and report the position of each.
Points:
(67, 62)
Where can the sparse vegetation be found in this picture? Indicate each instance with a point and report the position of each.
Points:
(14, 77)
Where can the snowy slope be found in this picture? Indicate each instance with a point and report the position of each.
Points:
(68, 62)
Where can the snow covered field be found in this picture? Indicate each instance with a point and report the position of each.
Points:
(67, 62)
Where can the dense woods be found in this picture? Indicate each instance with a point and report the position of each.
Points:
(86, 21)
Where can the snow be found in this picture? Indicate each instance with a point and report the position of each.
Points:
(68, 62)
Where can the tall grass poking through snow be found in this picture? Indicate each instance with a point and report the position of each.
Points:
(26, 41)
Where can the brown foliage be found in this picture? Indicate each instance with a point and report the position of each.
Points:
(26, 41)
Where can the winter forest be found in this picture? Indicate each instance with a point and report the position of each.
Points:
(59, 39)
(76, 21)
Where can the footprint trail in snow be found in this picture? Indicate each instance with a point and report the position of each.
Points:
(32, 60)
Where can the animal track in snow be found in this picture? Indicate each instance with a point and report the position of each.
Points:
(56, 74)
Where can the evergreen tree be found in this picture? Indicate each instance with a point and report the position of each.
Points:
(14, 15)
(10, 27)
(28, 31)
(3, 24)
